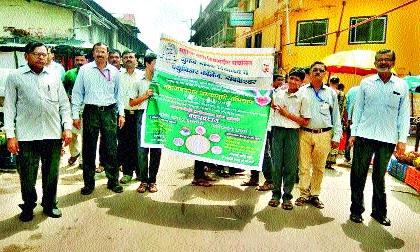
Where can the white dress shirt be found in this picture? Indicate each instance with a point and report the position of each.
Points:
(36, 105)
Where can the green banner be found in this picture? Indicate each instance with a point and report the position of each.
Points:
(207, 119)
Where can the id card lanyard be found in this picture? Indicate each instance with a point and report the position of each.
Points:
(108, 76)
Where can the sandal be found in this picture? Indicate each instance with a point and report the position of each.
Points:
(142, 188)
(152, 188)
(316, 202)
(287, 205)
(201, 182)
(265, 187)
(72, 160)
(300, 201)
(250, 182)
(99, 169)
(274, 203)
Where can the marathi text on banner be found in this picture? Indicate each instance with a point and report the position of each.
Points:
(211, 104)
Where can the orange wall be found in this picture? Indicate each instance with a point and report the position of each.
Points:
(402, 34)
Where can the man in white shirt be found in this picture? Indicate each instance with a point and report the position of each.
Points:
(291, 111)
(130, 79)
(36, 112)
(386, 96)
(148, 171)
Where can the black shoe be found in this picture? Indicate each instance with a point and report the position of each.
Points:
(356, 218)
(383, 220)
(26, 215)
(52, 212)
(115, 188)
(87, 190)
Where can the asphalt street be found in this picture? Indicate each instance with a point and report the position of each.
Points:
(224, 217)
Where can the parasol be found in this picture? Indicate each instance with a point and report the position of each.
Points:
(360, 62)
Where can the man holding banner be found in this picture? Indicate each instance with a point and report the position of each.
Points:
(210, 104)
(148, 171)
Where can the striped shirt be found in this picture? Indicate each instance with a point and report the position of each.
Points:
(36, 105)
(96, 87)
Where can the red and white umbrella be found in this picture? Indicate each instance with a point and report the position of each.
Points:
(360, 62)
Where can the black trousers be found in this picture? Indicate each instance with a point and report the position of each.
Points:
(31, 152)
(103, 120)
(362, 155)
(127, 144)
(148, 170)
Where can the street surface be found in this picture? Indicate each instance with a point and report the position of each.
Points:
(224, 217)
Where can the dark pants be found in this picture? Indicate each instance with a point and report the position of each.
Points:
(48, 151)
(199, 169)
(97, 120)
(148, 171)
(362, 155)
(284, 149)
(102, 152)
(127, 144)
(348, 147)
(267, 163)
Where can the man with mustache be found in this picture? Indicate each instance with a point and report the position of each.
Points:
(69, 79)
(386, 96)
(36, 110)
(98, 88)
(115, 58)
(317, 138)
(130, 78)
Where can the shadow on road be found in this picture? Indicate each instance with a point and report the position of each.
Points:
(405, 197)
(372, 237)
(276, 219)
(76, 198)
(134, 206)
(13, 225)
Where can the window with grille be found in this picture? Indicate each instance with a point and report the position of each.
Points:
(309, 32)
(370, 33)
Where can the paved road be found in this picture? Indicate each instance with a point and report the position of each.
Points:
(225, 217)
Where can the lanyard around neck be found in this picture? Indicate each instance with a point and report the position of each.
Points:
(108, 78)
(319, 98)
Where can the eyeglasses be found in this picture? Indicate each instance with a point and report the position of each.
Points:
(37, 54)
(386, 60)
(318, 70)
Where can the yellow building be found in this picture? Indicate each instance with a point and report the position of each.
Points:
(284, 25)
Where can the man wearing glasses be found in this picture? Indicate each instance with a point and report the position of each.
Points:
(317, 138)
(36, 109)
(386, 96)
(98, 87)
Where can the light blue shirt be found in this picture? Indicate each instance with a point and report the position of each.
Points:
(324, 111)
(96, 87)
(382, 111)
(36, 106)
(350, 97)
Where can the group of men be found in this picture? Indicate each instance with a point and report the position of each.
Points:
(39, 121)
(305, 126)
